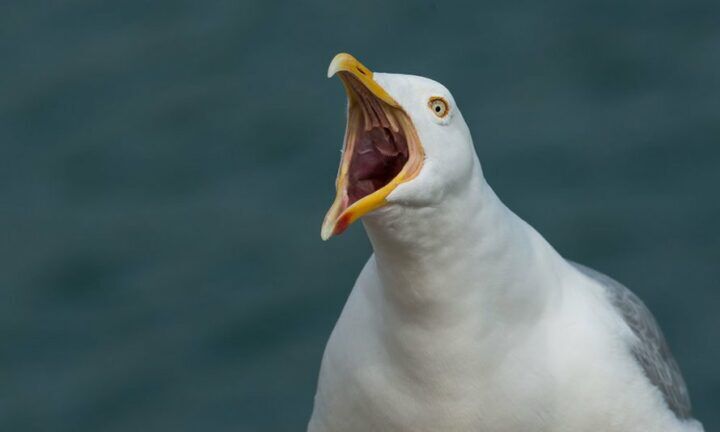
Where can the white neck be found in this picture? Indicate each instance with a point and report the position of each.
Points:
(492, 261)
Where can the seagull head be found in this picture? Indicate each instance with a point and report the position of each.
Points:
(406, 144)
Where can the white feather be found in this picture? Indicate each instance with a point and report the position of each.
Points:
(466, 319)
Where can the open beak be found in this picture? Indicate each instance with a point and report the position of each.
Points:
(381, 151)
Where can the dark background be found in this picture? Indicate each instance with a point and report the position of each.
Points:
(165, 167)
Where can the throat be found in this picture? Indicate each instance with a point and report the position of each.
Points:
(469, 256)
(425, 239)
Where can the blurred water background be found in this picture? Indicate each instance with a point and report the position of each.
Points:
(165, 167)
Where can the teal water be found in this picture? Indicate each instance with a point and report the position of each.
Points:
(165, 167)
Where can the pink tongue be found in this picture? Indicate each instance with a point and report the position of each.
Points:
(378, 156)
(362, 188)
(374, 151)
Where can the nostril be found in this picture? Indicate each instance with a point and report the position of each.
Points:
(361, 71)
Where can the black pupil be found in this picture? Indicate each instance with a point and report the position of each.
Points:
(437, 108)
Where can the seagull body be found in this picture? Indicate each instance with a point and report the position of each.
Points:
(465, 318)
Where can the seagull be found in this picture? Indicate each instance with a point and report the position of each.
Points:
(465, 319)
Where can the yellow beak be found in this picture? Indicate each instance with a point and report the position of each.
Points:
(343, 212)
(344, 62)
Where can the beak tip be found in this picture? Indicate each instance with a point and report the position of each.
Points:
(340, 62)
(326, 232)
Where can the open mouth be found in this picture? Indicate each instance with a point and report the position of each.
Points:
(381, 149)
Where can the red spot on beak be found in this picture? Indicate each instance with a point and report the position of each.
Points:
(342, 224)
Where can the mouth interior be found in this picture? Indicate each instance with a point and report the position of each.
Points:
(379, 147)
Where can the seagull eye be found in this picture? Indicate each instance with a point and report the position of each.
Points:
(439, 106)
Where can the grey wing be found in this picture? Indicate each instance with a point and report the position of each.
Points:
(652, 351)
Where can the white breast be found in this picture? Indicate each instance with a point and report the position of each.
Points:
(567, 372)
